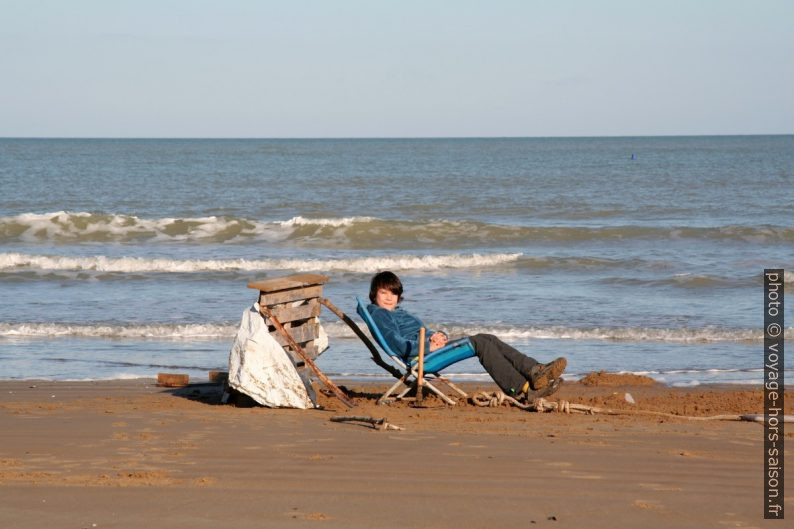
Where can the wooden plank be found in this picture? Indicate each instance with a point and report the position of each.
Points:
(308, 347)
(286, 282)
(172, 380)
(305, 333)
(303, 312)
(285, 296)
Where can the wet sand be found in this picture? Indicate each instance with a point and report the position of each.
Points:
(131, 454)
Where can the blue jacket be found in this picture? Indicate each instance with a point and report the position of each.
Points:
(400, 329)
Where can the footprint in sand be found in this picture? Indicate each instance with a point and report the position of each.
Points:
(204, 481)
(650, 505)
(184, 445)
(407, 438)
(569, 473)
(314, 516)
(318, 457)
(319, 516)
(660, 488)
(580, 475)
(310, 441)
(737, 523)
(685, 453)
(146, 436)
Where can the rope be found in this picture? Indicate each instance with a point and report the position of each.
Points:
(497, 399)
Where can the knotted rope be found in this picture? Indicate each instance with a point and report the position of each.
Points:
(495, 399)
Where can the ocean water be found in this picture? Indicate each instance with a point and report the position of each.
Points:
(124, 258)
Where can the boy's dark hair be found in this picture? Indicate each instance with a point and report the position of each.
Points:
(387, 280)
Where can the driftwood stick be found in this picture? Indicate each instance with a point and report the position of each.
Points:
(309, 362)
(379, 424)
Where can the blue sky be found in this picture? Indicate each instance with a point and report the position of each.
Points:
(395, 69)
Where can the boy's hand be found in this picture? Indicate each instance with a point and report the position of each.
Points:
(438, 340)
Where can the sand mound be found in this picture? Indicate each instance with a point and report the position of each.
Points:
(602, 378)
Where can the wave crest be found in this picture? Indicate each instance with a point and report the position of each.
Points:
(358, 232)
(63, 226)
(158, 331)
(339, 330)
(25, 262)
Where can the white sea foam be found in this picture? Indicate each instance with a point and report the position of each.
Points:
(335, 329)
(711, 371)
(100, 263)
(334, 223)
(695, 377)
(627, 334)
(154, 331)
(688, 384)
(81, 226)
(115, 376)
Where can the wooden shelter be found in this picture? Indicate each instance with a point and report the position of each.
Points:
(294, 301)
(290, 306)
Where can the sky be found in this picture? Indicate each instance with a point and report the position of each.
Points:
(403, 68)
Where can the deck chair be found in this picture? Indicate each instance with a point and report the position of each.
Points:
(434, 362)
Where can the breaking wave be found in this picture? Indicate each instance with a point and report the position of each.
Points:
(348, 232)
(204, 331)
(221, 331)
(71, 227)
(17, 262)
(630, 334)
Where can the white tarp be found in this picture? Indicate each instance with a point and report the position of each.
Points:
(260, 368)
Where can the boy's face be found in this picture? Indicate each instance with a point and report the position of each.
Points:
(386, 299)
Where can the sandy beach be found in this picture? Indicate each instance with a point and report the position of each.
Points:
(131, 454)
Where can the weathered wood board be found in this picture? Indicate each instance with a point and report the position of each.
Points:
(294, 301)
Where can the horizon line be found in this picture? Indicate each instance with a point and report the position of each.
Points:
(387, 137)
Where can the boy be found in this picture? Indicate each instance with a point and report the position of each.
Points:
(518, 375)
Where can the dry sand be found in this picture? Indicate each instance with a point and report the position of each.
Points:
(130, 454)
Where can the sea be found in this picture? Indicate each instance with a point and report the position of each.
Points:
(123, 258)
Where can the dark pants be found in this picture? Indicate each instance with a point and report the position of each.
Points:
(508, 367)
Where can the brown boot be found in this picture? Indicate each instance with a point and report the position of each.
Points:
(542, 374)
(552, 388)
